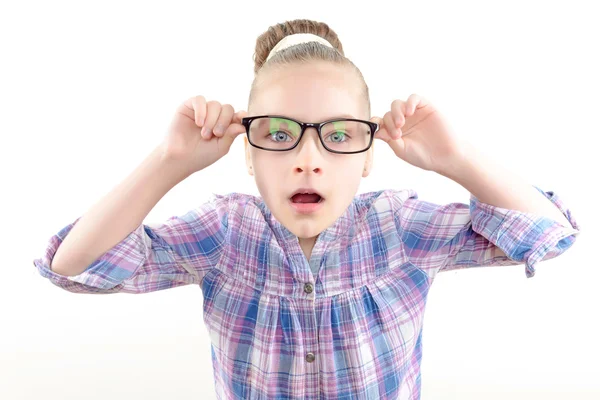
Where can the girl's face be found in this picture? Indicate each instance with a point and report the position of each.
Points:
(309, 93)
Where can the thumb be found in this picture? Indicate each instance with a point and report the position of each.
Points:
(397, 145)
(381, 132)
(237, 117)
(380, 127)
(233, 131)
(377, 120)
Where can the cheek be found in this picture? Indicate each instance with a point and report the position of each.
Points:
(349, 171)
(269, 175)
(348, 176)
(352, 181)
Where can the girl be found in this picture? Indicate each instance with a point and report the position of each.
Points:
(310, 290)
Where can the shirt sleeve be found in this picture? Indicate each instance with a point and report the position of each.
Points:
(177, 252)
(456, 235)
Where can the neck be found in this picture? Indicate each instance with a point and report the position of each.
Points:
(307, 245)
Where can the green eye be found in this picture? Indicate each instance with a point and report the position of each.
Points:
(276, 135)
(338, 136)
(283, 124)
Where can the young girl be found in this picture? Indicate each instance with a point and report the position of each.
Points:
(310, 290)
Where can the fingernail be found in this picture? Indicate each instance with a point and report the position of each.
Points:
(398, 122)
(203, 132)
(218, 129)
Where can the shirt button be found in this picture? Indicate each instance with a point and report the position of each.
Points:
(310, 357)
(308, 287)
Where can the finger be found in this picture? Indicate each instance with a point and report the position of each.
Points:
(224, 120)
(393, 132)
(383, 133)
(380, 127)
(377, 120)
(213, 110)
(198, 104)
(414, 102)
(398, 109)
(237, 117)
(233, 131)
(187, 108)
(411, 104)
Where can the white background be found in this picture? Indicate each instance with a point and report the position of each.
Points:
(87, 89)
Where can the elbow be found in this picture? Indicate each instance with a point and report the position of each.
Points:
(61, 270)
(67, 269)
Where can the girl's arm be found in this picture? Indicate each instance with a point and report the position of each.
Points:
(451, 236)
(116, 215)
(492, 184)
(110, 250)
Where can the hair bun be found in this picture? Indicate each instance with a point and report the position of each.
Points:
(268, 40)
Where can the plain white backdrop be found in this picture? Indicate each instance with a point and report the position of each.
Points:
(87, 89)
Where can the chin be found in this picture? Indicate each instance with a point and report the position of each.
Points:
(304, 226)
(309, 233)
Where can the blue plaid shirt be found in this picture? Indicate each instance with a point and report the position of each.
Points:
(346, 324)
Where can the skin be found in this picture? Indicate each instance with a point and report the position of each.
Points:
(311, 92)
(414, 130)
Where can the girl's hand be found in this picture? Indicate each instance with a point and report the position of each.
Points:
(418, 134)
(201, 132)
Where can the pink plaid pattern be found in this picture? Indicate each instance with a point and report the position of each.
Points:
(346, 324)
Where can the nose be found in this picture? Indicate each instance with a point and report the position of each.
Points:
(309, 157)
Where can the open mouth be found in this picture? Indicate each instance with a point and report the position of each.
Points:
(306, 198)
(306, 201)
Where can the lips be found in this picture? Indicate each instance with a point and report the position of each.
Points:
(306, 195)
(306, 201)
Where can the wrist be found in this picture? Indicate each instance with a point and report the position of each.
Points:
(460, 163)
(172, 168)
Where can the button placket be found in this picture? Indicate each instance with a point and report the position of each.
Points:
(311, 336)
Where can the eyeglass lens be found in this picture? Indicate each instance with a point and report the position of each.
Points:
(282, 134)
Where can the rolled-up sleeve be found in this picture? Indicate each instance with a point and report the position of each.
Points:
(177, 252)
(456, 235)
(524, 237)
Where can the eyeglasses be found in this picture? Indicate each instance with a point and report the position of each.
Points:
(278, 133)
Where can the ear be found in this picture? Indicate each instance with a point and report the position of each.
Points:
(248, 158)
(368, 162)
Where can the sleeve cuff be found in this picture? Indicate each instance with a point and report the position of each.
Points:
(105, 273)
(524, 237)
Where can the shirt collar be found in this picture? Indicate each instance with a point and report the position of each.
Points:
(343, 226)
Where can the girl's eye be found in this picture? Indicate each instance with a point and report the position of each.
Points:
(279, 136)
(338, 136)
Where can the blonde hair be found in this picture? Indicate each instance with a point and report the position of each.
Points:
(302, 52)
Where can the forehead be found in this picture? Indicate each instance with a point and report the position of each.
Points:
(309, 92)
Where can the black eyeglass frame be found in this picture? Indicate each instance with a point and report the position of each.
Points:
(303, 125)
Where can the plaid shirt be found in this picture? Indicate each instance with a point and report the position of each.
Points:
(345, 325)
